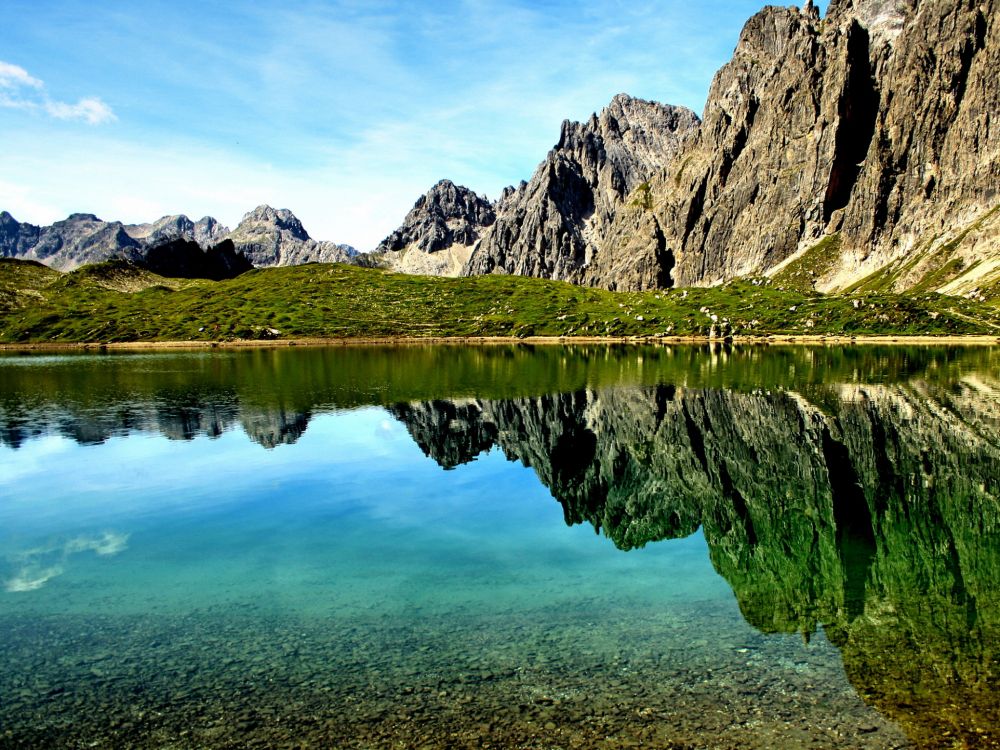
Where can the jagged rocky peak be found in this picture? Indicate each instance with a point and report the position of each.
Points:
(841, 149)
(635, 135)
(276, 237)
(556, 225)
(281, 218)
(438, 233)
(854, 149)
(207, 232)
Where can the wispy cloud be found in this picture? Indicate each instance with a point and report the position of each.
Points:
(21, 90)
(91, 110)
(14, 76)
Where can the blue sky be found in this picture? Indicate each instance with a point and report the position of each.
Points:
(344, 111)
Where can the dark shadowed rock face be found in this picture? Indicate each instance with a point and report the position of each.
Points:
(438, 233)
(270, 237)
(180, 258)
(558, 224)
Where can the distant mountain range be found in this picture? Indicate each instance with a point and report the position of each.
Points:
(265, 236)
(859, 151)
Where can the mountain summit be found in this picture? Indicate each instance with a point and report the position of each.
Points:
(276, 237)
(439, 232)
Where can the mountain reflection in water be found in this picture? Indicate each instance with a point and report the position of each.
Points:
(850, 490)
(872, 512)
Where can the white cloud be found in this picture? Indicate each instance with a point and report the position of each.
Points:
(23, 91)
(14, 76)
(92, 110)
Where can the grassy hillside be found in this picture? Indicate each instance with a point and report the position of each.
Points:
(118, 302)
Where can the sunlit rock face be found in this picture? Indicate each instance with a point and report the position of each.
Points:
(276, 237)
(871, 127)
(558, 224)
(870, 511)
(437, 235)
(869, 123)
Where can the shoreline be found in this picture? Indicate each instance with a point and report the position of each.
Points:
(769, 340)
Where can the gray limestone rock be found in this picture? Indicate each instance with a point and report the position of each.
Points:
(873, 124)
(270, 237)
(557, 224)
(439, 232)
(207, 232)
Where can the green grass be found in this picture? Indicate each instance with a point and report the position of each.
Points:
(116, 302)
(813, 264)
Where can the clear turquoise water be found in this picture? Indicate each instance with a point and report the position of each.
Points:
(271, 550)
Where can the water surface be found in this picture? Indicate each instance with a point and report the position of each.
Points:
(501, 547)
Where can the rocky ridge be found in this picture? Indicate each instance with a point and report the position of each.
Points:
(207, 232)
(276, 237)
(558, 225)
(851, 151)
(267, 237)
(439, 232)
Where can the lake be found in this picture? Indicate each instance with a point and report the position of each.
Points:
(501, 547)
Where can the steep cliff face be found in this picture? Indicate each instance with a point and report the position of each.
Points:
(557, 225)
(439, 232)
(854, 150)
(871, 126)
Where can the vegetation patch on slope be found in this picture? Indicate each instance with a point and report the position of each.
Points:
(340, 301)
(803, 272)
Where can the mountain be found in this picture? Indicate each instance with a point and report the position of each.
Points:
(76, 241)
(856, 150)
(558, 225)
(265, 236)
(848, 146)
(207, 232)
(438, 234)
(270, 237)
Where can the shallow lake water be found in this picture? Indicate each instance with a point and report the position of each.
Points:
(507, 547)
